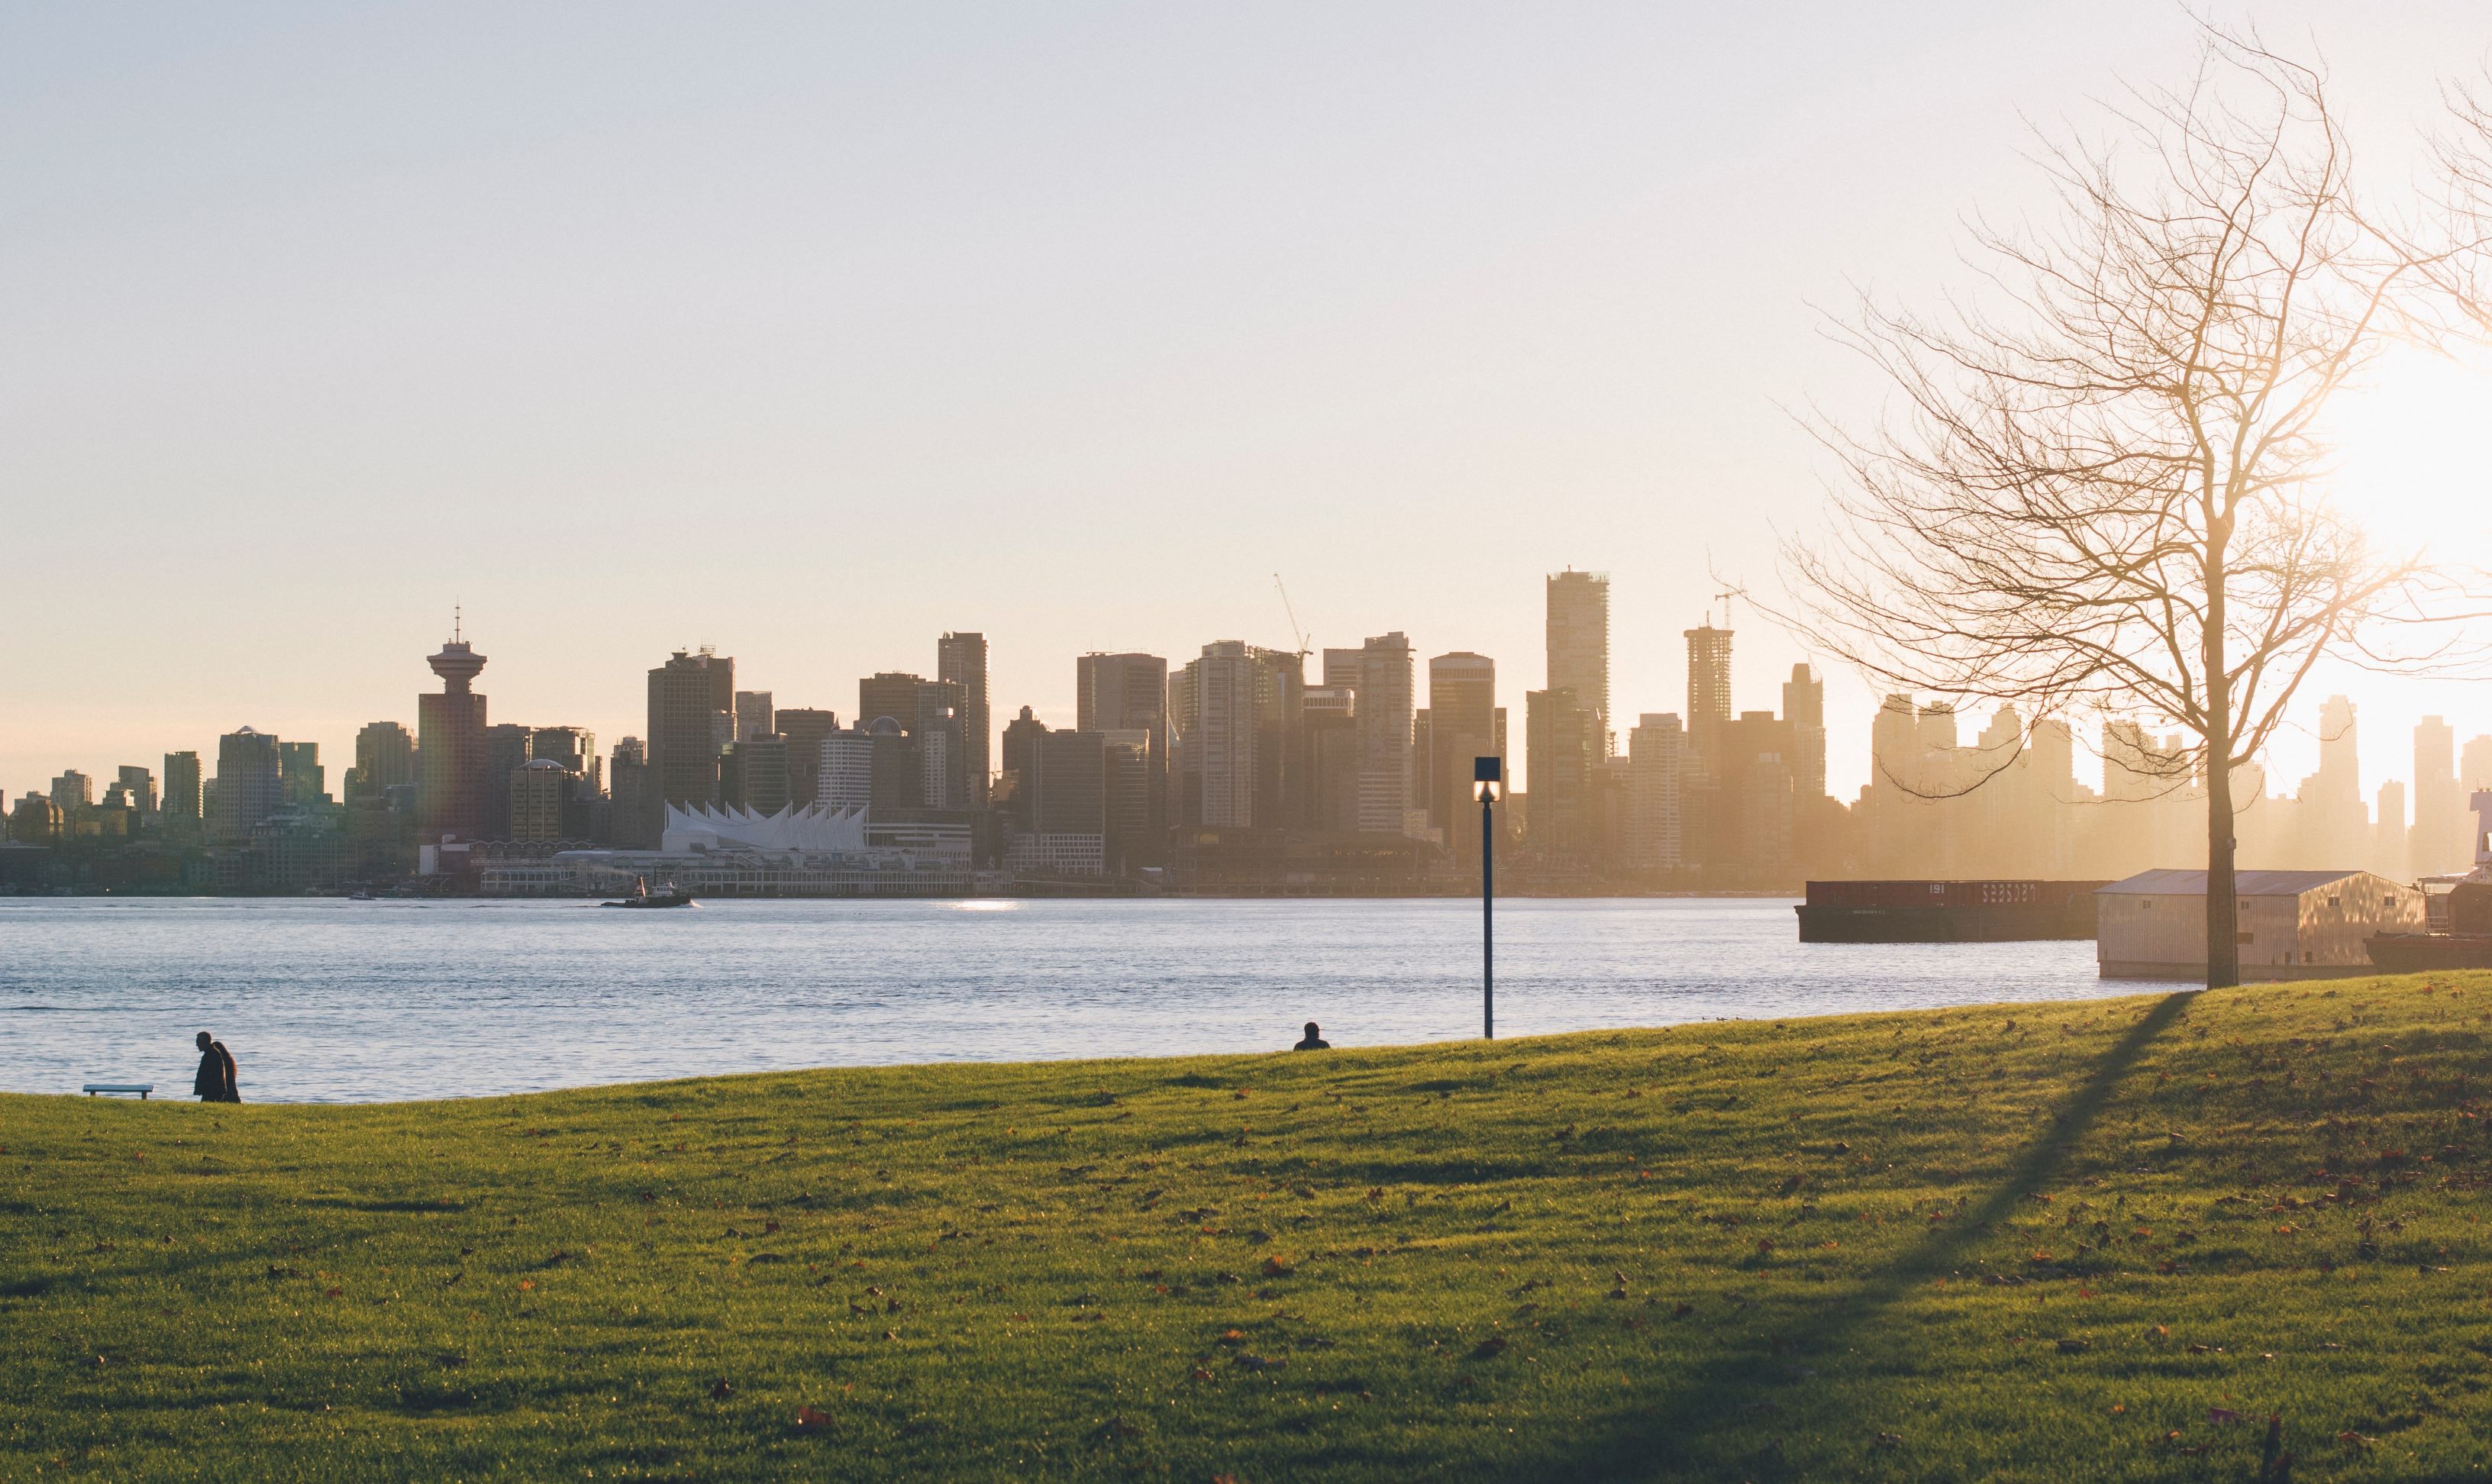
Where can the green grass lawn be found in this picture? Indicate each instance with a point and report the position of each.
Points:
(2107, 1240)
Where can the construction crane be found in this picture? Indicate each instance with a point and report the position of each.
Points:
(1306, 642)
(1725, 596)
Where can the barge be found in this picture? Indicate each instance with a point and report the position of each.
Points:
(1977, 911)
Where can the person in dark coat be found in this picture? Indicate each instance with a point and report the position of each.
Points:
(1315, 1042)
(216, 1082)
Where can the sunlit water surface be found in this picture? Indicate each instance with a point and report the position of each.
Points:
(336, 1001)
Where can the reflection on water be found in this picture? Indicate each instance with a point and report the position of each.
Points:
(363, 1000)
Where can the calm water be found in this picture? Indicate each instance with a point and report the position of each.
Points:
(330, 1000)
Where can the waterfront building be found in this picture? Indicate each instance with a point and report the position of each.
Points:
(73, 791)
(1578, 634)
(1131, 840)
(961, 662)
(37, 822)
(691, 705)
(928, 712)
(1060, 793)
(249, 785)
(449, 746)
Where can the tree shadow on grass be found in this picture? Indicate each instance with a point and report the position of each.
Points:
(1679, 1432)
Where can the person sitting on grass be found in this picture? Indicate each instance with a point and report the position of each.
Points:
(214, 1082)
(1315, 1042)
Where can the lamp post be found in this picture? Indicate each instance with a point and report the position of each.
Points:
(1488, 781)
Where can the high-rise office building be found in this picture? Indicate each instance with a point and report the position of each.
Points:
(1385, 707)
(299, 774)
(1462, 725)
(507, 748)
(1341, 669)
(1579, 641)
(1561, 745)
(1329, 742)
(384, 759)
(805, 728)
(1214, 722)
(961, 660)
(1652, 805)
(543, 800)
(2444, 830)
(138, 787)
(1130, 693)
(843, 770)
(753, 714)
(929, 712)
(1804, 708)
(574, 747)
(761, 774)
(631, 813)
(181, 794)
(249, 783)
(1132, 841)
(692, 701)
(73, 791)
(2335, 821)
(450, 744)
(1708, 687)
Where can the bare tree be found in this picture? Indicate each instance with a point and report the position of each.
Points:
(2101, 484)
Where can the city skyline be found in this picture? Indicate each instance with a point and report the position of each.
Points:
(927, 400)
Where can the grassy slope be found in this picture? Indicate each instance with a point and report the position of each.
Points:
(1975, 1243)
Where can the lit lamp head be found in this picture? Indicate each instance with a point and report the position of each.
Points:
(1488, 778)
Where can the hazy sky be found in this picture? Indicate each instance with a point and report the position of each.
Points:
(809, 332)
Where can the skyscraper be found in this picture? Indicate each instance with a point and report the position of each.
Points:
(1652, 822)
(1383, 720)
(753, 714)
(450, 744)
(1328, 747)
(139, 786)
(541, 802)
(1804, 708)
(1708, 685)
(249, 788)
(2444, 832)
(692, 698)
(1462, 725)
(1560, 746)
(1130, 693)
(1213, 721)
(805, 728)
(384, 759)
(300, 774)
(181, 794)
(507, 748)
(632, 816)
(961, 660)
(73, 789)
(1579, 641)
(928, 712)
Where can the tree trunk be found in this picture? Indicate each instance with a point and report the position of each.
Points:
(2223, 901)
(2223, 898)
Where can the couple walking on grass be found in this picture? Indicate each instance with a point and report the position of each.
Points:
(214, 1082)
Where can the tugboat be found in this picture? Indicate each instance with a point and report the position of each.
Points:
(643, 897)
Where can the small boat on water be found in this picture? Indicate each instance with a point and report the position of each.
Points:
(643, 897)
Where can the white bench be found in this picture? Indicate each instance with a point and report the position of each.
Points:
(140, 1089)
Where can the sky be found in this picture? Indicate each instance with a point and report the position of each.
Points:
(811, 332)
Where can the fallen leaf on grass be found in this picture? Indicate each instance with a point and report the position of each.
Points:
(526, 1284)
(1274, 1267)
(2221, 1415)
(722, 1390)
(810, 1420)
(1259, 1363)
(1490, 1348)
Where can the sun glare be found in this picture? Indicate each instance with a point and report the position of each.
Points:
(2412, 462)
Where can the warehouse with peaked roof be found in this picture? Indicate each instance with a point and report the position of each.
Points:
(2293, 924)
